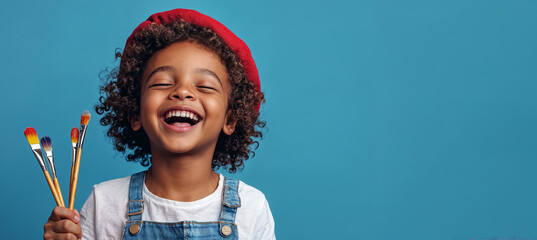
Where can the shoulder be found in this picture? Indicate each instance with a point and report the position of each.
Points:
(113, 192)
(250, 193)
(254, 217)
(104, 212)
(250, 197)
(113, 186)
(109, 196)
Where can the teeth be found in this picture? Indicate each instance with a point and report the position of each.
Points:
(176, 113)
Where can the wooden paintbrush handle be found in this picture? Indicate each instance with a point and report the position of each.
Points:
(59, 191)
(52, 188)
(71, 179)
(75, 179)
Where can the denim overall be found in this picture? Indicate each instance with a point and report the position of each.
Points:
(224, 228)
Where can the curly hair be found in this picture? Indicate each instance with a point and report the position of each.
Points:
(120, 95)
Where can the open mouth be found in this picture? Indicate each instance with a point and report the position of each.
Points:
(181, 118)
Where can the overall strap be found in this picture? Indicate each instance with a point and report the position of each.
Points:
(230, 200)
(136, 200)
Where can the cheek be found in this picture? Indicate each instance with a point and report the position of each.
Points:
(217, 107)
(218, 104)
(148, 106)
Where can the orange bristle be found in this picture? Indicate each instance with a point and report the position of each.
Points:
(46, 143)
(31, 135)
(74, 135)
(84, 119)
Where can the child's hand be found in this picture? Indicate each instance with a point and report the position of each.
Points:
(63, 224)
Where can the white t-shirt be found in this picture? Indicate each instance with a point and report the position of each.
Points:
(104, 214)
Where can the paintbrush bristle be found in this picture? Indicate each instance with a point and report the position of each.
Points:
(84, 119)
(74, 135)
(46, 143)
(31, 135)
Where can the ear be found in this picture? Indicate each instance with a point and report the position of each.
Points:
(229, 124)
(136, 124)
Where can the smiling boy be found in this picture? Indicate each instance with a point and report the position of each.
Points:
(186, 101)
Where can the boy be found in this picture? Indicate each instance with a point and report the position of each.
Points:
(186, 100)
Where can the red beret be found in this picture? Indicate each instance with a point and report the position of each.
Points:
(236, 44)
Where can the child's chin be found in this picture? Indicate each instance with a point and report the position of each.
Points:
(181, 148)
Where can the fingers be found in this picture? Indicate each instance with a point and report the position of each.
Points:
(67, 226)
(59, 213)
(76, 218)
(56, 236)
(63, 229)
(63, 224)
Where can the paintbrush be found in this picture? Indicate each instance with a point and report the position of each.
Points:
(84, 119)
(33, 140)
(46, 142)
(74, 141)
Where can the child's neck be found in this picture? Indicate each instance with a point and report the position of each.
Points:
(184, 178)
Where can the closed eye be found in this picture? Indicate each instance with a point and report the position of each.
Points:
(159, 84)
(207, 87)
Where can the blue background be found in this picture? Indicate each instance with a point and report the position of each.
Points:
(386, 119)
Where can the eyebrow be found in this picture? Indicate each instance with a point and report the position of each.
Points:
(208, 72)
(160, 69)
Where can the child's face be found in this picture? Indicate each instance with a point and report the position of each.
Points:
(184, 78)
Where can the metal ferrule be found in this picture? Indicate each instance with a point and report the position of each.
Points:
(39, 156)
(81, 136)
(50, 159)
(73, 154)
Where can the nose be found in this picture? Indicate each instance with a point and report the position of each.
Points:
(183, 93)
